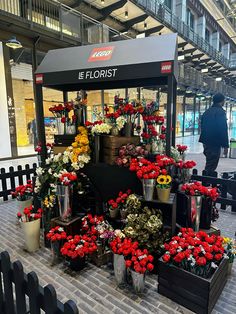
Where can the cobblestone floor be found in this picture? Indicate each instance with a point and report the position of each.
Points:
(94, 289)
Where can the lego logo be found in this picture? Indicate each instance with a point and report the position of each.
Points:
(166, 67)
(39, 79)
(101, 54)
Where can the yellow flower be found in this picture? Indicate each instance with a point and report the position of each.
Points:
(75, 144)
(168, 179)
(161, 179)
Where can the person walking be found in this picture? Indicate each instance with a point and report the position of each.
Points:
(214, 133)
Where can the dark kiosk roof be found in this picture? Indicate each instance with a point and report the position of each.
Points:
(128, 63)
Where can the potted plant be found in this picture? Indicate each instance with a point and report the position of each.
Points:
(56, 236)
(193, 270)
(23, 195)
(182, 150)
(119, 205)
(97, 226)
(30, 223)
(163, 186)
(147, 172)
(195, 192)
(76, 249)
(117, 246)
(65, 192)
(230, 248)
(139, 262)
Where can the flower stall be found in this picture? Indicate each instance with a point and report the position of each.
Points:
(127, 162)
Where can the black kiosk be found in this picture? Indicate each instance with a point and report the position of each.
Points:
(144, 62)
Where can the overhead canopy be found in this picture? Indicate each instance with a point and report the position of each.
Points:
(127, 63)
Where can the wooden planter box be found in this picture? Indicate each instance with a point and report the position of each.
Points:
(193, 292)
(110, 146)
(101, 259)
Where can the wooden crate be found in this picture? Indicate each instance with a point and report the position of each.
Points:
(110, 145)
(193, 292)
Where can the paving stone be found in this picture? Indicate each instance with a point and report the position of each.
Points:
(119, 304)
(94, 289)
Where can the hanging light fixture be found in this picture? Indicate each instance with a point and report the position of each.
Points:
(145, 25)
(126, 14)
(13, 43)
(189, 90)
(102, 1)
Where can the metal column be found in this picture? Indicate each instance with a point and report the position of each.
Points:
(169, 114)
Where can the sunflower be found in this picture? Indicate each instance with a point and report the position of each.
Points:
(168, 179)
(161, 179)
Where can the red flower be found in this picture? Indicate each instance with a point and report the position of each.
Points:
(166, 258)
(201, 261)
(150, 267)
(218, 257)
(63, 120)
(179, 257)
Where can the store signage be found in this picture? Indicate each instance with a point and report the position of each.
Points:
(39, 78)
(101, 54)
(166, 67)
(97, 74)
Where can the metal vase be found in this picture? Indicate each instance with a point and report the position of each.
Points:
(55, 248)
(194, 212)
(148, 189)
(163, 194)
(21, 205)
(31, 231)
(60, 126)
(138, 281)
(119, 269)
(70, 129)
(64, 196)
(128, 129)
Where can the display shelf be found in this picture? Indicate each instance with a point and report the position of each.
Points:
(71, 227)
(168, 211)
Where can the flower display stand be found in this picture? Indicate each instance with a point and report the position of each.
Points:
(109, 146)
(71, 227)
(168, 211)
(193, 292)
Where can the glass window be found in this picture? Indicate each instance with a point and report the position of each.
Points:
(207, 35)
(168, 4)
(190, 19)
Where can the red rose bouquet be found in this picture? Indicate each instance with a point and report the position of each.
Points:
(67, 178)
(139, 261)
(181, 149)
(196, 188)
(164, 161)
(188, 164)
(89, 224)
(120, 201)
(56, 234)
(78, 247)
(198, 252)
(30, 214)
(23, 192)
(144, 168)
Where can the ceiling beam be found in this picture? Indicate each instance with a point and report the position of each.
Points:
(76, 4)
(153, 30)
(110, 8)
(182, 45)
(190, 50)
(199, 55)
(134, 21)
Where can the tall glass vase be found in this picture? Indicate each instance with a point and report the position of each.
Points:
(60, 126)
(64, 196)
(194, 212)
(148, 189)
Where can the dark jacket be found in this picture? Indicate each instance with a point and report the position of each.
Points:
(214, 129)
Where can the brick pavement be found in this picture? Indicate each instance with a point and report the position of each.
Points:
(94, 289)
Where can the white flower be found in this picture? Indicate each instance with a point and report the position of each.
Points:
(226, 256)
(39, 171)
(75, 166)
(179, 249)
(120, 122)
(103, 128)
(65, 159)
(193, 263)
(179, 234)
(213, 265)
(50, 170)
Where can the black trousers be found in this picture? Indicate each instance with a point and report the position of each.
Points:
(212, 154)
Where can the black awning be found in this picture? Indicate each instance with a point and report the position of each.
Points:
(128, 63)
